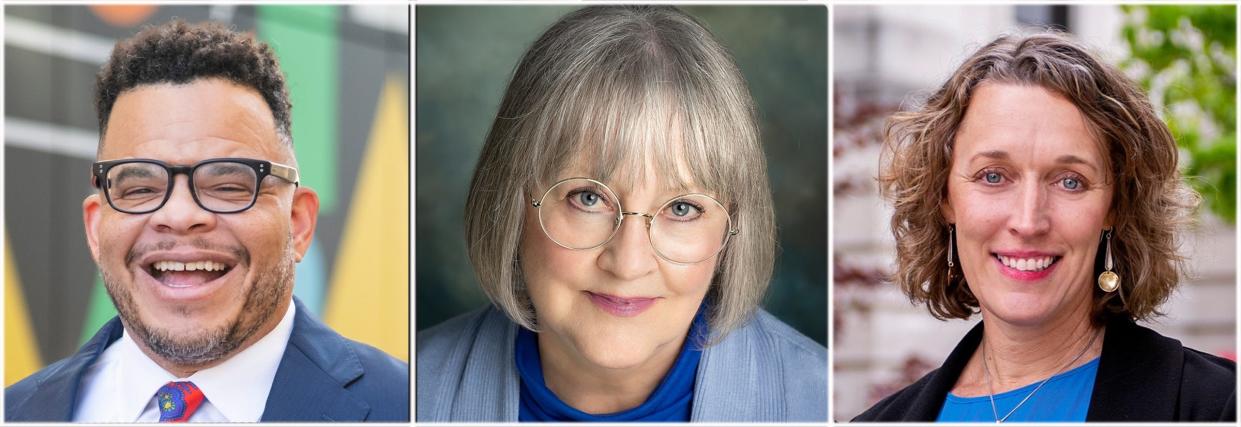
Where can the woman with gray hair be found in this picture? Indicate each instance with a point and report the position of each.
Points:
(621, 223)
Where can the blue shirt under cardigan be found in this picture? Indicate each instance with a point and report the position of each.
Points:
(669, 402)
(1065, 398)
(765, 371)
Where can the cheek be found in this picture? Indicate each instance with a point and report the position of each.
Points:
(977, 219)
(117, 235)
(689, 280)
(1081, 222)
(970, 211)
(543, 261)
(263, 234)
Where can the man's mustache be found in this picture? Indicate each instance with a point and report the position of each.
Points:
(238, 251)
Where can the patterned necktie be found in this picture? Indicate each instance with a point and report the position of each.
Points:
(177, 401)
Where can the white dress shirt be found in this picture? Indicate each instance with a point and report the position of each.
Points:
(120, 386)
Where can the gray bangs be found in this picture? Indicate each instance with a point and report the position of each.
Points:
(635, 102)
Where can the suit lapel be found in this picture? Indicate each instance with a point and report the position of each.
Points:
(310, 382)
(56, 396)
(1139, 375)
(930, 399)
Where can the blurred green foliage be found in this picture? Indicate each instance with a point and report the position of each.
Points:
(1185, 58)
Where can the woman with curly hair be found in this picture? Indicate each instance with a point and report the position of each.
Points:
(1038, 188)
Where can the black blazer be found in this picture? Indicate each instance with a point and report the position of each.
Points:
(1143, 376)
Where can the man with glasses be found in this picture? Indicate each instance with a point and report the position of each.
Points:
(196, 224)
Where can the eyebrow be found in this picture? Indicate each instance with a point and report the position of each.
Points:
(133, 172)
(993, 154)
(1065, 159)
(220, 169)
(1074, 160)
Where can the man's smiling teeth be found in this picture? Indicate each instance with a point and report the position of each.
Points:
(1026, 264)
(189, 266)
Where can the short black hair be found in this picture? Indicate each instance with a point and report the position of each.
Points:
(179, 53)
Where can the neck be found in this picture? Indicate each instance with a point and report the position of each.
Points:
(595, 389)
(1020, 355)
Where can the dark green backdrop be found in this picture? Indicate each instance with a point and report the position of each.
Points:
(465, 56)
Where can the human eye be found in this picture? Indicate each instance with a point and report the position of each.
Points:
(990, 177)
(231, 188)
(134, 189)
(589, 200)
(227, 191)
(1072, 182)
(138, 192)
(683, 210)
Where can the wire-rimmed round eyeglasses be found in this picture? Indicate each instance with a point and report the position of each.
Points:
(583, 213)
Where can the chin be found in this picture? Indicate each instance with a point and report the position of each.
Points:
(185, 320)
(1023, 314)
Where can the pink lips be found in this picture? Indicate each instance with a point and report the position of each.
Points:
(622, 307)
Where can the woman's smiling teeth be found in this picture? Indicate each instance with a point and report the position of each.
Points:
(1027, 264)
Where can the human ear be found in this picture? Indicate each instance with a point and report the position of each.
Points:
(91, 210)
(302, 219)
(945, 209)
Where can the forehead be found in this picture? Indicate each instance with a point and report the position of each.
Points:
(1025, 121)
(185, 123)
(651, 165)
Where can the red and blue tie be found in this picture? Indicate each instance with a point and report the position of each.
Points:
(177, 401)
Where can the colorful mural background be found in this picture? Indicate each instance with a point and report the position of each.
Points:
(348, 73)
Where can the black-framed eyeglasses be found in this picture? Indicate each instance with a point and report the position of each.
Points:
(224, 185)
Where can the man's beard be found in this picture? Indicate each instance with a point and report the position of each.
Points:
(261, 303)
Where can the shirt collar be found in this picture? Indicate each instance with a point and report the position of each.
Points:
(139, 377)
(238, 387)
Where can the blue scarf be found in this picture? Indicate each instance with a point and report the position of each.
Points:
(670, 402)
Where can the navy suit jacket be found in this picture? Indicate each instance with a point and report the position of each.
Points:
(322, 377)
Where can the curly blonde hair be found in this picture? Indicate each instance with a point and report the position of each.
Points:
(1151, 201)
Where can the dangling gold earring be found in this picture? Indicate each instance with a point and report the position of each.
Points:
(951, 229)
(1108, 281)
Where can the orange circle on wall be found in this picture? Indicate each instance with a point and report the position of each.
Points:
(123, 15)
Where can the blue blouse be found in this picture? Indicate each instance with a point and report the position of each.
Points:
(1065, 398)
(670, 402)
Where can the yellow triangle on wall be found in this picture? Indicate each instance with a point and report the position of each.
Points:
(368, 300)
(21, 350)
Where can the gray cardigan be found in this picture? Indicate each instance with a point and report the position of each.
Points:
(763, 371)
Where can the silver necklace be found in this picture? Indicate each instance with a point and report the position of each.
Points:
(986, 371)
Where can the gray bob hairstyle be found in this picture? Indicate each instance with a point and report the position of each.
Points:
(604, 90)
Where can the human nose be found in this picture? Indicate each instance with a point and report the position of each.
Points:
(1031, 218)
(629, 254)
(181, 214)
